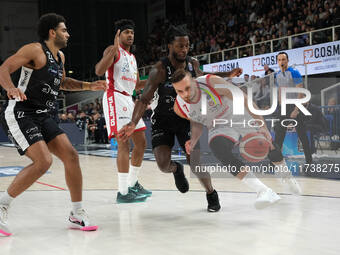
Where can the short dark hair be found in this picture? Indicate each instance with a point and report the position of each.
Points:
(282, 52)
(173, 32)
(179, 75)
(123, 24)
(46, 22)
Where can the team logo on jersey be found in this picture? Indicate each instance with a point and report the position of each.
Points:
(50, 104)
(50, 57)
(21, 114)
(31, 130)
(126, 67)
(48, 90)
(124, 109)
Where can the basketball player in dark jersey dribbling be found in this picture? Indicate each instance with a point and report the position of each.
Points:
(27, 120)
(165, 123)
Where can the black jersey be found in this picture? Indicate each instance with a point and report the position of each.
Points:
(41, 86)
(165, 96)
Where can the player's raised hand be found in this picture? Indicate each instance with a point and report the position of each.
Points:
(236, 72)
(126, 131)
(17, 94)
(98, 85)
(188, 147)
(116, 43)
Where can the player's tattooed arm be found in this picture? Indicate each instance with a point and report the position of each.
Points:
(25, 56)
(197, 69)
(233, 73)
(70, 84)
(156, 77)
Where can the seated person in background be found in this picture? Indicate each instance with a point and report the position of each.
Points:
(315, 124)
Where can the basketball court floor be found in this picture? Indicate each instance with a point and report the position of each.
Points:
(169, 222)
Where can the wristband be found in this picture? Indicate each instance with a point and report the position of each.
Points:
(86, 85)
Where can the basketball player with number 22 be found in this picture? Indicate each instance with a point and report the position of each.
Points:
(222, 138)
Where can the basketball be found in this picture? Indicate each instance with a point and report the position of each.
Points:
(254, 147)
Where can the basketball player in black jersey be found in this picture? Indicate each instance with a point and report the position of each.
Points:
(165, 123)
(26, 118)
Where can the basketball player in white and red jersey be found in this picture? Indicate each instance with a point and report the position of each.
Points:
(120, 68)
(222, 138)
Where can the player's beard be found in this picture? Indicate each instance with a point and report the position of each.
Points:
(60, 42)
(177, 58)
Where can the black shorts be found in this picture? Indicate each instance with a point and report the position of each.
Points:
(164, 131)
(24, 131)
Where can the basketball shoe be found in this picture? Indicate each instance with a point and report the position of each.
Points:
(266, 198)
(80, 220)
(4, 230)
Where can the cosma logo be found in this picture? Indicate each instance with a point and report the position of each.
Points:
(238, 100)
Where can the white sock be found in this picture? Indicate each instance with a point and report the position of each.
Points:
(76, 206)
(123, 184)
(133, 175)
(252, 182)
(282, 170)
(6, 199)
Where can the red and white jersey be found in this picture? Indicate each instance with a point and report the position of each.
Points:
(122, 74)
(217, 107)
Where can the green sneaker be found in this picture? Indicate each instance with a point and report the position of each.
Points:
(139, 189)
(130, 197)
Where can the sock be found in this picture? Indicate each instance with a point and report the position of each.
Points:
(76, 206)
(282, 170)
(252, 182)
(133, 175)
(123, 183)
(6, 199)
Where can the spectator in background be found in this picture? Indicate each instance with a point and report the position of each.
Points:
(90, 109)
(63, 118)
(315, 124)
(70, 117)
(246, 78)
(82, 120)
(267, 70)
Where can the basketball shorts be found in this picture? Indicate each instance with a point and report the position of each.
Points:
(118, 109)
(25, 130)
(165, 129)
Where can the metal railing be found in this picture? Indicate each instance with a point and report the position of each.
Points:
(318, 36)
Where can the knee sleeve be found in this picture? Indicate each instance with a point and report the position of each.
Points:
(222, 148)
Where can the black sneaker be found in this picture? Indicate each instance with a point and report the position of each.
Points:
(213, 202)
(181, 181)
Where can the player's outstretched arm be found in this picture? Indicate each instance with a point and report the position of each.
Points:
(233, 73)
(70, 84)
(156, 77)
(109, 55)
(24, 56)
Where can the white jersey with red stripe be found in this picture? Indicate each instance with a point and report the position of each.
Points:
(217, 107)
(122, 74)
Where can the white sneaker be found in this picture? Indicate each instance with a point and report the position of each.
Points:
(80, 220)
(4, 230)
(293, 185)
(266, 198)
